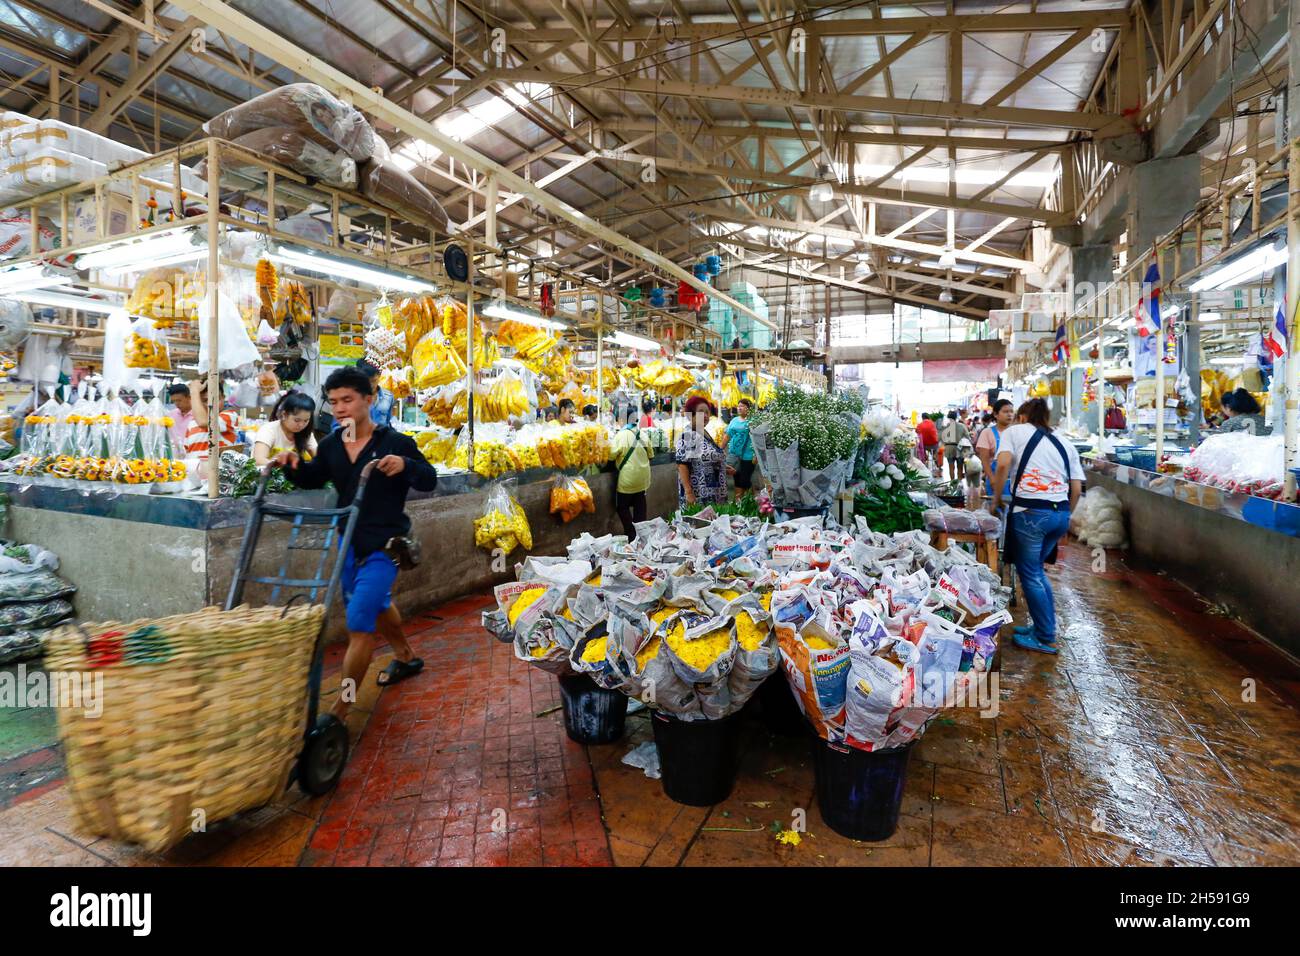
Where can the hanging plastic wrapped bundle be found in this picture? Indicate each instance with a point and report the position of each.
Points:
(702, 271)
(714, 265)
(658, 297)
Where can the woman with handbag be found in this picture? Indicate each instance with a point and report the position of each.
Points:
(701, 464)
(631, 458)
(1046, 487)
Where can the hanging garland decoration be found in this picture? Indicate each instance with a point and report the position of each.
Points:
(1170, 356)
(1089, 387)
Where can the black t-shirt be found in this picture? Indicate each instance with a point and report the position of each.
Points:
(383, 508)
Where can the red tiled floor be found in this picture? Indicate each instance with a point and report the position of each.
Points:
(1135, 746)
(466, 773)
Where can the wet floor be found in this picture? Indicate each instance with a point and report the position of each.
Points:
(1164, 734)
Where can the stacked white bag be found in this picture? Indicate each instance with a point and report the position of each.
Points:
(1099, 520)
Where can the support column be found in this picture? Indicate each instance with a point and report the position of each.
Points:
(1166, 190)
(1292, 370)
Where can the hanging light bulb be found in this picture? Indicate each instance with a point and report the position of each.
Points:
(822, 191)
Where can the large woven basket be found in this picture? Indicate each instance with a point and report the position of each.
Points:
(202, 717)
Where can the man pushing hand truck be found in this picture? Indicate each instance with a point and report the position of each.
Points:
(379, 541)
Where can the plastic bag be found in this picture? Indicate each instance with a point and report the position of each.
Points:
(292, 148)
(386, 183)
(570, 497)
(22, 582)
(234, 347)
(16, 235)
(446, 406)
(21, 646)
(146, 347)
(35, 614)
(503, 523)
(435, 362)
(168, 294)
(305, 107)
(507, 396)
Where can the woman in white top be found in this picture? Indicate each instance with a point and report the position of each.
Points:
(288, 430)
(1046, 480)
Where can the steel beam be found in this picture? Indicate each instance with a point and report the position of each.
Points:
(280, 49)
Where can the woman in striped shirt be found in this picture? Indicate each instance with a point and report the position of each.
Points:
(197, 443)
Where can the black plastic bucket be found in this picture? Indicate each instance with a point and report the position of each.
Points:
(592, 715)
(859, 792)
(698, 759)
(779, 710)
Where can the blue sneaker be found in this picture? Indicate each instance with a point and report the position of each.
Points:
(1031, 643)
(1024, 629)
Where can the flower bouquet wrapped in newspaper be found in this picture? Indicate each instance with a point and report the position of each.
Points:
(806, 444)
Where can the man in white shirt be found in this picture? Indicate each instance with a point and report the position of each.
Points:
(1046, 481)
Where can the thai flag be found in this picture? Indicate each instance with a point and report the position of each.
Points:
(1148, 307)
(1062, 350)
(1278, 340)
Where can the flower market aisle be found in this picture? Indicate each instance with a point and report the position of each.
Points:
(1134, 747)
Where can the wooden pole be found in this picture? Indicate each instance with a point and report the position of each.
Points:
(469, 360)
(214, 265)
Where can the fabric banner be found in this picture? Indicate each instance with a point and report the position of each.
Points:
(963, 370)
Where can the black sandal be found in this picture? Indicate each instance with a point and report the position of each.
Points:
(397, 671)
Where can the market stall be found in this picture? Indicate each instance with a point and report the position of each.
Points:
(1232, 547)
(320, 252)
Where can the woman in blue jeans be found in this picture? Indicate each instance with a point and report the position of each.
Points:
(1046, 481)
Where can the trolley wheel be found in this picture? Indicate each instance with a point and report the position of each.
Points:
(324, 755)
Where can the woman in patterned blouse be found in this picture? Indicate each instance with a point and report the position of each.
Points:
(701, 463)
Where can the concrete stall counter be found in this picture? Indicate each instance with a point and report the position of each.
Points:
(1232, 549)
(133, 555)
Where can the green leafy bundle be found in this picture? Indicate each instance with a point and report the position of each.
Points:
(746, 507)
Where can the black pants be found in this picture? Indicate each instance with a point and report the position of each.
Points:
(630, 508)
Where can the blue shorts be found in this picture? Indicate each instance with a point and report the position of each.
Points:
(367, 589)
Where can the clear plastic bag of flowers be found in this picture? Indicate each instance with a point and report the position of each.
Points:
(31, 615)
(38, 426)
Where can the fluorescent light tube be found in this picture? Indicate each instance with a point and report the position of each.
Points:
(1244, 267)
(127, 240)
(332, 267)
(628, 340)
(68, 301)
(507, 312)
(20, 280)
(141, 254)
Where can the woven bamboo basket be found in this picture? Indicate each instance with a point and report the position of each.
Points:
(202, 717)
